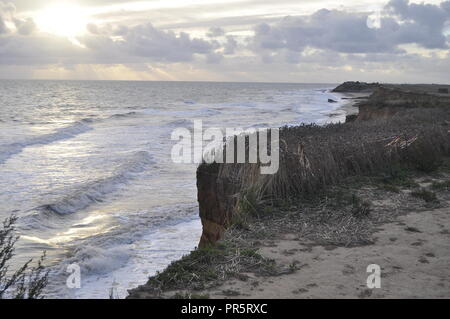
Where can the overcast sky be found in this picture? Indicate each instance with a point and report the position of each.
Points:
(226, 40)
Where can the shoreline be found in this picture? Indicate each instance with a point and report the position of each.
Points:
(319, 246)
(413, 265)
(352, 99)
(407, 236)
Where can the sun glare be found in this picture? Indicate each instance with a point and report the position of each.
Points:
(64, 21)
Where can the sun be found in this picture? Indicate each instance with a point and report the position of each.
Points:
(66, 21)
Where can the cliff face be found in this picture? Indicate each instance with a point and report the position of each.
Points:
(386, 102)
(216, 203)
(313, 157)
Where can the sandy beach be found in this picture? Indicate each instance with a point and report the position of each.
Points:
(414, 264)
(351, 102)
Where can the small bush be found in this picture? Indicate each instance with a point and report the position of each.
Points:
(360, 208)
(396, 174)
(248, 202)
(391, 188)
(441, 185)
(207, 267)
(26, 282)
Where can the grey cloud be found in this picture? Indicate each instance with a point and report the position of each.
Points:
(38, 50)
(326, 29)
(348, 32)
(105, 44)
(424, 14)
(7, 7)
(3, 27)
(214, 58)
(146, 41)
(184, 18)
(25, 27)
(107, 29)
(93, 28)
(215, 32)
(230, 46)
(6, 12)
(423, 23)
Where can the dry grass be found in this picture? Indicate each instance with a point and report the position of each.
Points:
(208, 267)
(316, 159)
(445, 185)
(425, 195)
(314, 195)
(26, 282)
(312, 157)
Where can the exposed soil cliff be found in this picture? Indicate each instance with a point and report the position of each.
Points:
(312, 158)
(216, 203)
(335, 185)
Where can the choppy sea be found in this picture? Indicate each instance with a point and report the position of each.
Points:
(86, 167)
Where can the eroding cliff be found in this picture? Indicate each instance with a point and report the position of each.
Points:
(216, 202)
(385, 102)
(313, 158)
(356, 87)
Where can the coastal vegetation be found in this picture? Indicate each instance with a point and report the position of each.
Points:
(335, 185)
(26, 282)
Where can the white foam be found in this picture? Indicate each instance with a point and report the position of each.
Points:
(94, 191)
(150, 254)
(132, 239)
(6, 151)
(124, 265)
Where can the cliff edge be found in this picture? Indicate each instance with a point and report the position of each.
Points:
(313, 157)
(356, 87)
(387, 101)
(336, 184)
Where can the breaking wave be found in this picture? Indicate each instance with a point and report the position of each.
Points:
(79, 127)
(122, 115)
(82, 126)
(94, 191)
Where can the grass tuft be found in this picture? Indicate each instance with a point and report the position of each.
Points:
(425, 195)
(445, 185)
(208, 267)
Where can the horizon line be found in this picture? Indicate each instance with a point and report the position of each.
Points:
(215, 81)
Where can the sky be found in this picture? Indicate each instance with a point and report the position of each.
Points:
(309, 41)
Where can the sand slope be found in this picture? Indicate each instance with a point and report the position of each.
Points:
(413, 253)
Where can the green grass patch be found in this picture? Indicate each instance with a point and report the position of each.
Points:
(398, 178)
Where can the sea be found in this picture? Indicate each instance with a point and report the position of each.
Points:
(86, 167)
